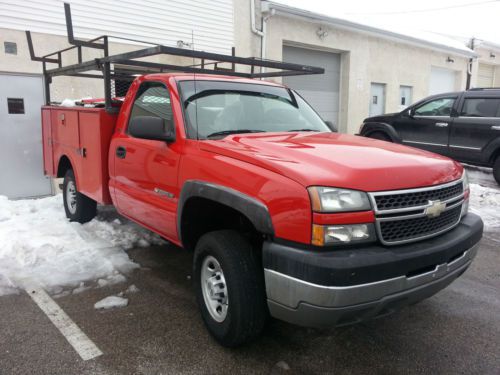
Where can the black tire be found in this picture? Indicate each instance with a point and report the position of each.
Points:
(380, 136)
(81, 209)
(246, 305)
(496, 169)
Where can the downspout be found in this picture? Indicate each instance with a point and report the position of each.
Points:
(469, 66)
(263, 32)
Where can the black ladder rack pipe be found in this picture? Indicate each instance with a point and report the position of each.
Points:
(125, 66)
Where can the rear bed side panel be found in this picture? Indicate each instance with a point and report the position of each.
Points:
(83, 136)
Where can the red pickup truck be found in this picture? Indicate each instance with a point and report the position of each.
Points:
(285, 216)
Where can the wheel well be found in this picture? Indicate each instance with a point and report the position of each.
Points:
(201, 215)
(494, 155)
(64, 165)
(378, 131)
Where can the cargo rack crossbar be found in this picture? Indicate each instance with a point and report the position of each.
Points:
(126, 67)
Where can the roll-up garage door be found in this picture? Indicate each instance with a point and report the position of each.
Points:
(442, 80)
(320, 90)
(485, 75)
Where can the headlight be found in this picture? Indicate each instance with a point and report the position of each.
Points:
(465, 180)
(465, 205)
(342, 234)
(327, 199)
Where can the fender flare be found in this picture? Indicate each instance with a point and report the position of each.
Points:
(372, 127)
(72, 164)
(251, 208)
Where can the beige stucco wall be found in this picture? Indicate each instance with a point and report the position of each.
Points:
(365, 59)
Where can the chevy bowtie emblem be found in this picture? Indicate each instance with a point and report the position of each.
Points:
(435, 208)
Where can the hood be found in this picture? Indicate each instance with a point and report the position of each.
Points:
(381, 117)
(338, 160)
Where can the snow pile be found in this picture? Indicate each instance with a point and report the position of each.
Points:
(111, 302)
(37, 243)
(485, 201)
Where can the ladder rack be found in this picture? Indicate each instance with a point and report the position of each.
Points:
(126, 66)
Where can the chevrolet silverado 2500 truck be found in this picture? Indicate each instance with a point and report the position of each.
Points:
(285, 217)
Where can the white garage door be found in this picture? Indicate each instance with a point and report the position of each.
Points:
(485, 75)
(320, 90)
(442, 80)
(21, 162)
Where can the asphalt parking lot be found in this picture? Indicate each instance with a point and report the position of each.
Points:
(456, 331)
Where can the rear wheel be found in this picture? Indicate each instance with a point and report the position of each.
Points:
(496, 169)
(229, 287)
(380, 136)
(78, 207)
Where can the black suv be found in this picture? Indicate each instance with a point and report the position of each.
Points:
(462, 125)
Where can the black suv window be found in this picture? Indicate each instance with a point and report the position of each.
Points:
(152, 99)
(436, 107)
(481, 107)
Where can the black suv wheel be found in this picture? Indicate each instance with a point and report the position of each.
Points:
(496, 169)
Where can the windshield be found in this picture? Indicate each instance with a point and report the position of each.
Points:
(215, 109)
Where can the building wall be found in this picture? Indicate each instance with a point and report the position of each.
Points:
(365, 59)
(208, 22)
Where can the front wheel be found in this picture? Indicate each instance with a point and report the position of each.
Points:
(78, 207)
(496, 169)
(229, 287)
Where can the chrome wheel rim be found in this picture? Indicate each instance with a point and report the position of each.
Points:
(71, 197)
(214, 288)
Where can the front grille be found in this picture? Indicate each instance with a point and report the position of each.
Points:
(418, 198)
(415, 228)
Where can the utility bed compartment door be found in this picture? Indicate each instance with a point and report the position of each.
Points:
(95, 131)
(65, 128)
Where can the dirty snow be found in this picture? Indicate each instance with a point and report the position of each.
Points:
(39, 244)
(485, 196)
(485, 202)
(111, 302)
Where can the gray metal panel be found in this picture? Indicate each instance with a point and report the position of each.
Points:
(321, 91)
(21, 160)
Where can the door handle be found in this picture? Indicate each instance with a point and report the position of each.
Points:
(495, 127)
(121, 152)
(442, 124)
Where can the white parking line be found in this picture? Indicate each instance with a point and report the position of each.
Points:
(75, 336)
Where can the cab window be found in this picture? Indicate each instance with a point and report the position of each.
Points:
(436, 107)
(481, 107)
(152, 99)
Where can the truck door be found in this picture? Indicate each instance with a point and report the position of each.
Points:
(145, 171)
(478, 124)
(427, 127)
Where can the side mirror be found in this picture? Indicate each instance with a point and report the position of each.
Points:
(332, 126)
(151, 127)
(411, 112)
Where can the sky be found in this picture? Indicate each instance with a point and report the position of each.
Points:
(458, 18)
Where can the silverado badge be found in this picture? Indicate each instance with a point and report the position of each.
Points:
(435, 208)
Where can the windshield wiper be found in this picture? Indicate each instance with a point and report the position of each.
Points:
(303, 130)
(234, 131)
